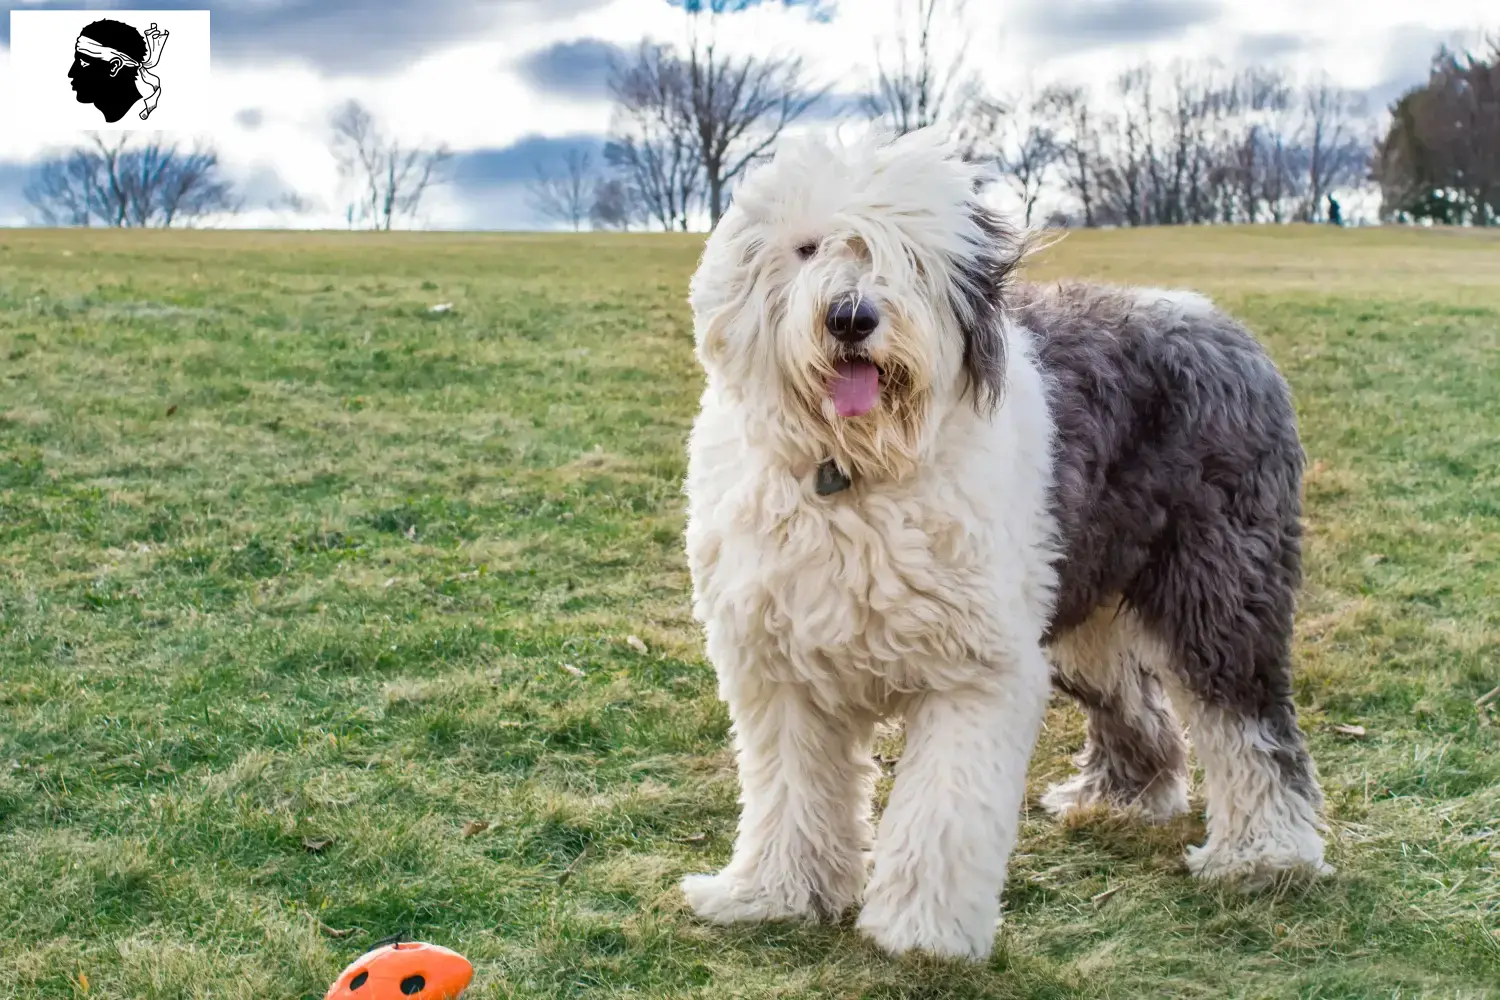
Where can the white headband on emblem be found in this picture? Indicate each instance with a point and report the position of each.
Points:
(146, 82)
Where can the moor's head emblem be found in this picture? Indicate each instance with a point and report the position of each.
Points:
(112, 68)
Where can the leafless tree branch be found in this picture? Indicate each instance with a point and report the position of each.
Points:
(1018, 139)
(566, 195)
(123, 181)
(737, 108)
(390, 176)
(922, 77)
(652, 147)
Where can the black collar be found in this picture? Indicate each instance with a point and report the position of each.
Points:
(830, 479)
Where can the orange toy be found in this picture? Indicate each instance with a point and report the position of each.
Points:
(404, 969)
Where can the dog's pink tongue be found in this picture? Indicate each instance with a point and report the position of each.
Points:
(855, 389)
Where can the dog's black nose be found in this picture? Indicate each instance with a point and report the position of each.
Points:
(852, 318)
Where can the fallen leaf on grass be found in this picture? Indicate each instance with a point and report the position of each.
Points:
(693, 838)
(569, 668)
(316, 844)
(83, 982)
(171, 409)
(635, 643)
(1101, 898)
(1350, 730)
(441, 307)
(475, 826)
(335, 932)
(411, 533)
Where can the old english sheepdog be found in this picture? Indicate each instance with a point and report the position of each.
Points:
(920, 488)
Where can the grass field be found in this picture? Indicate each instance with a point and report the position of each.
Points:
(301, 584)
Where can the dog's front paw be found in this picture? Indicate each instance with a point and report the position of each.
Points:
(731, 899)
(900, 922)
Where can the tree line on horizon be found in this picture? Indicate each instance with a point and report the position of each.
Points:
(122, 180)
(1189, 143)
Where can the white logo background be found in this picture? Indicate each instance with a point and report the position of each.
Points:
(39, 100)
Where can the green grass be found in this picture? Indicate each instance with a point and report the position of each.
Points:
(293, 571)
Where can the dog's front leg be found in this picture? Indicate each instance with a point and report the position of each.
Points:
(951, 822)
(806, 780)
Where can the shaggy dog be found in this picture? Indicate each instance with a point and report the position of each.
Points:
(918, 488)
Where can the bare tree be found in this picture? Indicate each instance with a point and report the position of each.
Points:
(738, 106)
(390, 176)
(1200, 145)
(1027, 163)
(1256, 166)
(922, 77)
(1075, 129)
(686, 126)
(128, 183)
(652, 146)
(565, 196)
(1018, 139)
(1134, 174)
(1337, 143)
(614, 206)
(71, 190)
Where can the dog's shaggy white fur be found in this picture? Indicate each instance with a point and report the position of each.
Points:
(927, 588)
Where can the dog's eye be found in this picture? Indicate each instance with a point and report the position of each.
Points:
(807, 249)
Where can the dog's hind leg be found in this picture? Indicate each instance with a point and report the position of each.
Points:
(807, 781)
(1221, 599)
(1135, 756)
(1263, 800)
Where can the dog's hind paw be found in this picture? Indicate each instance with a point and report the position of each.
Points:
(1254, 866)
(1160, 802)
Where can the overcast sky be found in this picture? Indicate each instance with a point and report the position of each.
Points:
(509, 84)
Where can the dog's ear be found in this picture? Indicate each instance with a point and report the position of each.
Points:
(981, 275)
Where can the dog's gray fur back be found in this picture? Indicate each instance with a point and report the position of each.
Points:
(1177, 495)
